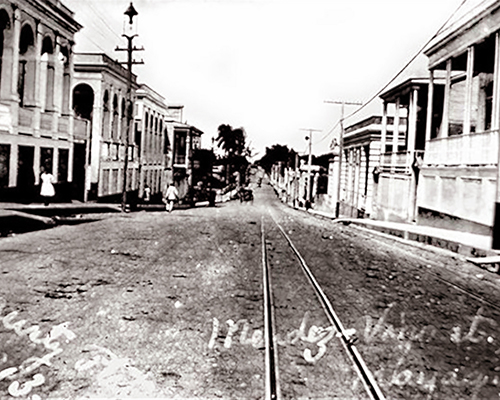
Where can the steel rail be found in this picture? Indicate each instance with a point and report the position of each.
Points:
(271, 361)
(364, 373)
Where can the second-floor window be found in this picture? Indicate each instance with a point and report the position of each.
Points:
(180, 148)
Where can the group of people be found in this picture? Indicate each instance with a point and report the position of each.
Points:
(47, 191)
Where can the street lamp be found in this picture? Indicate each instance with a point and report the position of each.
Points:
(129, 32)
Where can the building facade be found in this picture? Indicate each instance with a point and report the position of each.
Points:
(361, 151)
(154, 132)
(459, 175)
(100, 102)
(36, 119)
(186, 139)
(401, 154)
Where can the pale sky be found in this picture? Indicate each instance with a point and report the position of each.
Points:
(267, 65)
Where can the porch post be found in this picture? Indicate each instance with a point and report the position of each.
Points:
(412, 135)
(412, 120)
(383, 136)
(495, 125)
(395, 135)
(468, 91)
(430, 107)
(446, 109)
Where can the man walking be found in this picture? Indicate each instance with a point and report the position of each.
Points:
(171, 196)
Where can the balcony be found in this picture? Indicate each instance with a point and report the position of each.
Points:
(400, 162)
(463, 150)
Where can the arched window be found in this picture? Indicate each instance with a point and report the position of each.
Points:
(83, 101)
(64, 60)
(26, 83)
(105, 117)
(49, 72)
(4, 26)
(124, 119)
(114, 132)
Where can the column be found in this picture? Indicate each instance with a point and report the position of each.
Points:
(383, 137)
(468, 91)
(443, 132)
(395, 135)
(412, 120)
(430, 107)
(495, 125)
(412, 133)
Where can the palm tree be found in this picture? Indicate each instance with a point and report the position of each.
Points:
(232, 141)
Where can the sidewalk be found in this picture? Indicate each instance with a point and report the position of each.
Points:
(466, 244)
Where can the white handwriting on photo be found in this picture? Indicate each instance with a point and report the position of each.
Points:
(315, 335)
(33, 333)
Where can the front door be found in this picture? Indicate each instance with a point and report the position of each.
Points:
(79, 171)
(26, 174)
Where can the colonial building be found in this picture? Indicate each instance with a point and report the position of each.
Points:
(361, 151)
(100, 98)
(459, 175)
(36, 75)
(186, 140)
(154, 133)
(402, 154)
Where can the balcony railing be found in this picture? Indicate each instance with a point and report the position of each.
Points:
(468, 150)
(400, 162)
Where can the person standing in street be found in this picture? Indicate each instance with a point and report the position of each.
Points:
(47, 190)
(171, 196)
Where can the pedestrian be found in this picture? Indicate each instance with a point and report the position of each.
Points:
(147, 194)
(47, 190)
(171, 196)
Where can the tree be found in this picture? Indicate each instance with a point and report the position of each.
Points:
(233, 142)
(277, 153)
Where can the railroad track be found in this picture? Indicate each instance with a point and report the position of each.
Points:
(277, 372)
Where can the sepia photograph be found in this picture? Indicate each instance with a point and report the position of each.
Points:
(250, 199)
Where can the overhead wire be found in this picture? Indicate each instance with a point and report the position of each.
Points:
(402, 69)
(409, 62)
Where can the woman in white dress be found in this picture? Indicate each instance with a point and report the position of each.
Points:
(47, 190)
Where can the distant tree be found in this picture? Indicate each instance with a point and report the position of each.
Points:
(277, 153)
(233, 142)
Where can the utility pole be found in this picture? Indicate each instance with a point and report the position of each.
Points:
(309, 163)
(341, 147)
(129, 34)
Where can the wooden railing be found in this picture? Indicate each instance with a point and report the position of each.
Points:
(473, 149)
(400, 162)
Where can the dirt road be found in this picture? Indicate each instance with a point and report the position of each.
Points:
(158, 305)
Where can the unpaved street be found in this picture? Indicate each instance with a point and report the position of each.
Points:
(158, 305)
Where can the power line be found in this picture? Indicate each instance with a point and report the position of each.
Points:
(402, 70)
(409, 62)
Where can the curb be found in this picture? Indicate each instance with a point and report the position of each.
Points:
(408, 235)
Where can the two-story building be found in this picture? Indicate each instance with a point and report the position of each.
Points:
(100, 101)
(154, 133)
(36, 75)
(459, 175)
(186, 139)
